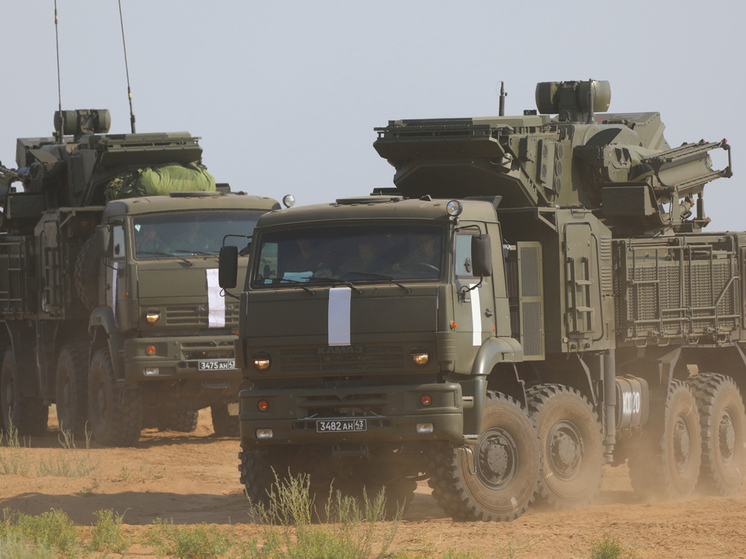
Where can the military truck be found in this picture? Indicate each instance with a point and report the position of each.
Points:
(109, 296)
(535, 299)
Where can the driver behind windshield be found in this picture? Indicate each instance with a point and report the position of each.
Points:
(148, 241)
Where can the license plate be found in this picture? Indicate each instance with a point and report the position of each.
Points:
(341, 425)
(216, 364)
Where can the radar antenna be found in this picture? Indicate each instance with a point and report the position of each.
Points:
(59, 133)
(127, 70)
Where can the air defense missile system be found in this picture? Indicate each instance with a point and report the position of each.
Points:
(618, 165)
(109, 298)
(534, 299)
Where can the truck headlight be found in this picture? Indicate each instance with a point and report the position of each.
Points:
(153, 316)
(420, 357)
(261, 362)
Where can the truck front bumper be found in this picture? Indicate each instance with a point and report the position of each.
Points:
(352, 414)
(211, 362)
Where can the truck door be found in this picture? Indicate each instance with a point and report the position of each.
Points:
(116, 272)
(474, 301)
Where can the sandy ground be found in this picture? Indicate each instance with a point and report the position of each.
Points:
(193, 479)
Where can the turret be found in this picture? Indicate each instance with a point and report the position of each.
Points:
(618, 165)
(83, 165)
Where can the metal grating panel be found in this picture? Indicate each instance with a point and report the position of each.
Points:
(530, 259)
(533, 339)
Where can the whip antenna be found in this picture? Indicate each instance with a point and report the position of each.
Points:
(59, 87)
(126, 68)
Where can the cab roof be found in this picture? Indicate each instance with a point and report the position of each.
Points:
(377, 208)
(186, 201)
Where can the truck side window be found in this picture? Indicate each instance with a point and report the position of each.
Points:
(117, 236)
(268, 263)
(463, 255)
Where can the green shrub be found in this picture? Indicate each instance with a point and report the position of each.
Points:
(71, 462)
(352, 529)
(609, 548)
(14, 544)
(107, 535)
(198, 542)
(51, 530)
(13, 458)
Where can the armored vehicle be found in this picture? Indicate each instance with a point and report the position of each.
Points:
(536, 298)
(109, 295)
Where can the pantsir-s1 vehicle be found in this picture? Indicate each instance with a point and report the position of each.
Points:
(109, 295)
(535, 299)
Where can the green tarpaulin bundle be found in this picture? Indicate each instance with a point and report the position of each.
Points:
(159, 181)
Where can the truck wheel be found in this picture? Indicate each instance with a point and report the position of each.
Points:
(666, 462)
(115, 414)
(723, 422)
(72, 388)
(497, 478)
(224, 424)
(398, 493)
(260, 471)
(86, 274)
(177, 419)
(572, 449)
(28, 416)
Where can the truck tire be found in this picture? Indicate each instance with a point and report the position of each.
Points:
(86, 274)
(177, 419)
(28, 416)
(224, 424)
(71, 391)
(398, 491)
(723, 422)
(572, 449)
(259, 472)
(495, 480)
(667, 460)
(115, 414)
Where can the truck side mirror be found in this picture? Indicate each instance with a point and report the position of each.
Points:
(481, 255)
(102, 240)
(228, 266)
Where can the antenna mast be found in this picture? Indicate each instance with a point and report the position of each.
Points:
(126, 68)
(503, 95)
(59, 133)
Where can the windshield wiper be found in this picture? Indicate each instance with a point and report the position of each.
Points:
(336, 281)
(381, 276)
(197, 252)
(291, 282)
(167, 254)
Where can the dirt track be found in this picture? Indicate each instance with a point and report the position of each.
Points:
(194, 479)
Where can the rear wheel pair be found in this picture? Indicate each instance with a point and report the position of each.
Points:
(702, 441)
(571, 444)
(223, 423)
(723, 432)
(72, 388)
(24, 415)
(665, 463)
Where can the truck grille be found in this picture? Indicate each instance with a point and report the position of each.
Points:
(372, 358)
(207, 350)
(197, 315)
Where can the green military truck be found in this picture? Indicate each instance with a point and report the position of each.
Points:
(536, 298)
(109, 296)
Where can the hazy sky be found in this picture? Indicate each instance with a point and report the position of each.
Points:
(285, 94)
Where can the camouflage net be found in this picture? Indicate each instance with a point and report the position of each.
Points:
(160, 181)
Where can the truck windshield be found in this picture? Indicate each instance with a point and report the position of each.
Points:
(191, 233)
(350, 253)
